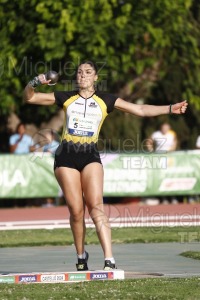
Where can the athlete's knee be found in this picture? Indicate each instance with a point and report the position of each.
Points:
(97, 211)
(76, 215)
(99, 218)
(95, 204)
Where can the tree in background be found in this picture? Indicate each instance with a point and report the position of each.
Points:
(146, 52)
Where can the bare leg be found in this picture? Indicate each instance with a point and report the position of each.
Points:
(70, 183)
(92, 184)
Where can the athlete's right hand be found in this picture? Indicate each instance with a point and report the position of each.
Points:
(43, 79)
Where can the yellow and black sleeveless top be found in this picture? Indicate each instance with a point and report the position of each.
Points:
(83, 116)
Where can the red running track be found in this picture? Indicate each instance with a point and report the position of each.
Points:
(120, 215)
(113, 211)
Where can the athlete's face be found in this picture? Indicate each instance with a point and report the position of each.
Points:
(86, 76)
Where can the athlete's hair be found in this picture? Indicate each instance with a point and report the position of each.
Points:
(89, 62)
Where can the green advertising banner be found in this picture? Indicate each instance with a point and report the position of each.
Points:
(27, 176)
(176, 173)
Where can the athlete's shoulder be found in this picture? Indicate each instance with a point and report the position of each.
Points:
(108, 98)
(62, 96)
(105, 95)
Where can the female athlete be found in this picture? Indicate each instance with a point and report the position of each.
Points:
(78, 167)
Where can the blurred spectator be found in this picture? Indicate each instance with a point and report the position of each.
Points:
(198, 142)
(46, 141)
(20, 142)
(164, 139)
(51, 144)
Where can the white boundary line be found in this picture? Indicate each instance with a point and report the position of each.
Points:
(154, 221)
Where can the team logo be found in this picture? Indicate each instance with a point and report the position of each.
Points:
(92, 104)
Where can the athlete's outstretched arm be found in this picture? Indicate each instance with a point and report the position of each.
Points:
(31, 97)
(145, 110)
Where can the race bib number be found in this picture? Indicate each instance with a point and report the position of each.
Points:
(82, 126)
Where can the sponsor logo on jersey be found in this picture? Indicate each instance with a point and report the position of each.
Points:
(52, 277)
(93, 115)
(75, 119)
(27, 278)
(77, 112)
(79, 103)
(92, 104)
(80, 132)
(98, 276)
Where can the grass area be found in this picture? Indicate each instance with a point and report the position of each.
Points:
(44, 237)
(137, 289)
(191, 254)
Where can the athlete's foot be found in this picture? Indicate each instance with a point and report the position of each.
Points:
(109, 266)
(82, 263)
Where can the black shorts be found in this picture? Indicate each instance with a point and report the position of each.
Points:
(65, 157)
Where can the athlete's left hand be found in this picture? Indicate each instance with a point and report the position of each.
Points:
(179, 108)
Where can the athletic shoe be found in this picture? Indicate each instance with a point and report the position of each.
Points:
(109, 266)
(82, 263)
